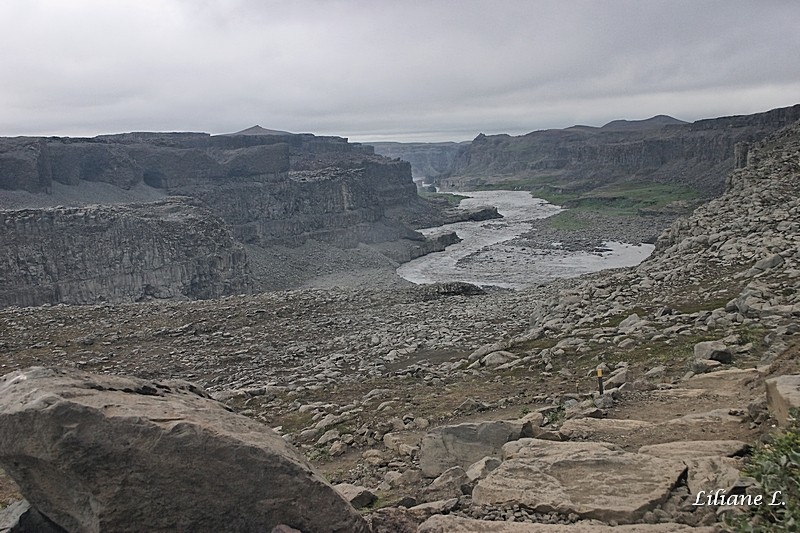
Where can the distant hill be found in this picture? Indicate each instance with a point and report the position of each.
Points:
(258, 130)
(661, 149)
(658, 121)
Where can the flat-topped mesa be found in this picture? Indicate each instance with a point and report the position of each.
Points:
(274, 187)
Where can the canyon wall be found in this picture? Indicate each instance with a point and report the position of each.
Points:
(660, 150)
(428, 160)
(257, 188)
(125, 253)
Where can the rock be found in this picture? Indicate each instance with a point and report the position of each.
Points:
(697, 448)
(771, 261)
(425, 510)
(283, 528)
(714, 350)
(486, 349)
(783, 394)
(722, 379)
(498, 358)
(718, 472)
(590, 479)
(617, 378)
(714, 420)
(337, 448)
(531, 422)
(457, 524)
(701, 366)
(709, 462)
(373, 457)
(463, 444)
(394, 520)
(20, 517)
(357, 496)
(632, 320)
(600, 429)
(112, 453)
(480, 469)
(452, 483)
(328, 437)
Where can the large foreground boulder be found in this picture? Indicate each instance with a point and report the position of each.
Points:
(593, 480)
(106, 453)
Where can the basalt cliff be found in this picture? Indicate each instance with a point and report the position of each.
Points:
(261, 189)
(662, 149)
(428, 160)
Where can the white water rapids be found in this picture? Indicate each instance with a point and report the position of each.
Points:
(486, 257)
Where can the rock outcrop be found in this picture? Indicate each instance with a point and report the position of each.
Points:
(101, 453)
(593, 480)
(699, 155)
(167, 249)
(270, 187)
(463, 444)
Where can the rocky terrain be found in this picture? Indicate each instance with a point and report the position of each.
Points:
(660, 150)
(456, 409)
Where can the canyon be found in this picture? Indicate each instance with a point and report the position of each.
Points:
(258, 205)
(456, 409)
(431, 408)
(698, 155)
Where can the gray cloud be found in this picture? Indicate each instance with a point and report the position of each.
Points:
(387, 70)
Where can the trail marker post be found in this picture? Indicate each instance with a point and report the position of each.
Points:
(600, 380)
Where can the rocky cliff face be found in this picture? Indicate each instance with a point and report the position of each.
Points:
(699, 155)
(428, 160)
(167, 249)
(271, 188)
(261, 188)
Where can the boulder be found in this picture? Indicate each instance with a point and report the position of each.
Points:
(709, 462)
(357, 496)
(497, 358)
(601, 428)
(453, 483)
(530, 423)
(697, 448)
(714, 350)
(463, 444)
(480, 469)
(109, 453)
(783, 394)
(593, 480)
(768, 262)
(20, 517)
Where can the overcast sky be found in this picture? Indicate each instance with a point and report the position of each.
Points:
(388, 70)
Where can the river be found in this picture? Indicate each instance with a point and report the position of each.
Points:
(487, 256)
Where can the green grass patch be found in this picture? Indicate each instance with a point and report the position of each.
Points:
(776, 468)
(569, 221)
(618, 199)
